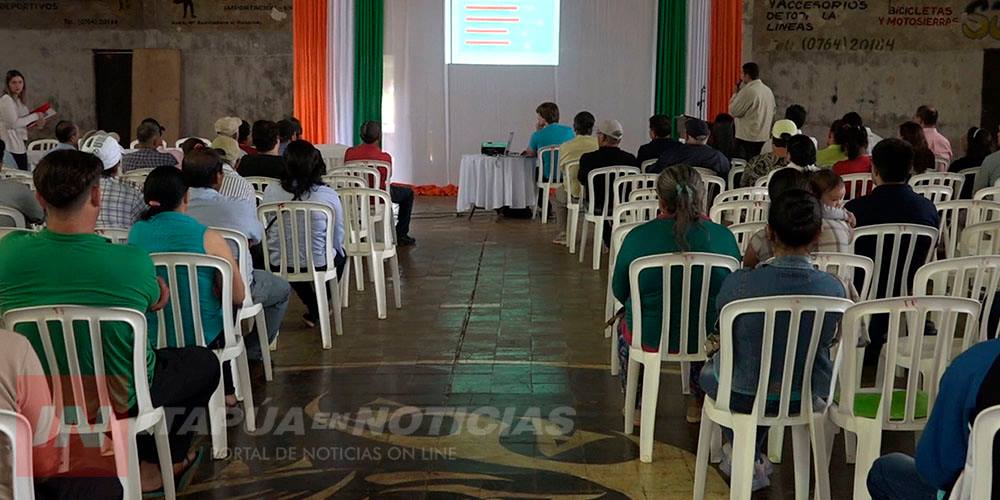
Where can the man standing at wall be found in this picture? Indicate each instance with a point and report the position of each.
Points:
(927, 117)
(753, 108)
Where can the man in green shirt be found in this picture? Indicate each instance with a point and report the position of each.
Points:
(67, 263)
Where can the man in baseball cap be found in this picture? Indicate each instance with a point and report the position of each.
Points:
(228, 129)
(761, 165)
(608, 154)
(121, 202)
(695, 151)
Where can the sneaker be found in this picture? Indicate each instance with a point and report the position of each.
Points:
(309, 320)
(560, 240)
(405, 241)
(762, 468)
(693, 411)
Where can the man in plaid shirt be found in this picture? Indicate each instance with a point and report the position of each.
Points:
(146, 155)
(121, 202)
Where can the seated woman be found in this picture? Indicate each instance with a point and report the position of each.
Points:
(923, 157)
(303, 181)
(853, 139)
(166, 227)
(682, 227)
(794, 223)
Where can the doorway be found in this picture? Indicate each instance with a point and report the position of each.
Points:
(991, 89)
(113, 92)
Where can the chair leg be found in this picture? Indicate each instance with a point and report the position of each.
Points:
(378, 272)
(775, 443)
(821, 458)
(127, 458)
(800, 450)
(744, 455)
(598, 244)
(217, 422)
(685, 378)
(705, 435)
(650, 391)
(631, 386)
(160, 434)
(715, 444)
(609, 309)
(345, 286)
(545, 205)
(850, 446)
(615, 363)
(338, 311)
(869, 447)
(359, 273)
(397, 290)
(583, 239)
(323, 306)
(572, 219)
(243, 380)
(265, 352)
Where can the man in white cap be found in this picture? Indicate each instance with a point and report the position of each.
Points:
(228, 129)
(761, 165)
(608, 154)
(121, 202)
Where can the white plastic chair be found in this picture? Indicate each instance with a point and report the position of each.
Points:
(957, 214)
(611, 304)
(116, 235)
(296, 262)
(713, 184)
(686, 263)
(937, 194)
(182, 140)
(980, 239)
(87, 144)
(913, 403)
(702, 171)
(739, 212)
(364, 210)
(845, 266)
(743, 233)
(991, 193)
(752, 193)
(634, 211)
(952, 180)
(624, 185)
(369, 174)
(857, 185)
(643, 195)
(136, 177)
(250, 308)
(338, 182)
(18, 176)
(378, 165)
(970, 177)
(599, 215)
(10, 215)
(333, 154)
(891, 236)
(178, 264)
(68, 320)
(4, 231)
(806, 424)
(573, 207)
(17, 429)
(976, 480)
(260, 184)
(545, 185)
(43, 145)
(736, 170)
(976, 278)
(941, 165)
(644, 166)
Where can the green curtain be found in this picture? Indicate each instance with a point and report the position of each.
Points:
(368, 38)
(671, 58)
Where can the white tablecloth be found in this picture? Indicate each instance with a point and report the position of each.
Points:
(493, 182)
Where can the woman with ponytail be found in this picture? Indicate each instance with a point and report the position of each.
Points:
(853, 139)
(681, 227)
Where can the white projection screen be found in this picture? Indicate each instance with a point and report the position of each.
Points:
(502, 32)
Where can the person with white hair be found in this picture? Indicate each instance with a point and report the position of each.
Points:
(121, 202)
(147, 153)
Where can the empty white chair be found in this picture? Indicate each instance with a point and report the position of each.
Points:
(182, 140)
(624, 185)
(383, 168)
(743, 233)
(980, 239)
(753, 193)
(116, 235)
(714, 186)
(17, 430)
(11, 217)
(250, 308)
(573, 208)
(991, 193)
(739, 212)
(711, 267)
(634, 211)
(260, 184)
(293, 249)
(937, 194)
(598, 215)
(369, 174)
(806, 424)
(857, 185)
(344, 181)
(976, 480)
(545, 184)
(895, 244)
(646, 165)
(610, 303)
(232, 350)
(976, 278)
(861, 409)
(957, 214)
(75, 323)
(333, 154)
(736, 170)
(643, 195)
(364, 211)
(952, 180)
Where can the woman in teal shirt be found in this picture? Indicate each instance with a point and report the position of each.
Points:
(682, 227)
(166, 227)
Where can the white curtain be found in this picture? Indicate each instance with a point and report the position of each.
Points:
(698, 26)
(340, 70)
(433, 113)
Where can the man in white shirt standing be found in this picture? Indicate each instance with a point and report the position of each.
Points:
(927, 117)
(753, 108)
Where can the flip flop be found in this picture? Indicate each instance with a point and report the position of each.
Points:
(185, 478)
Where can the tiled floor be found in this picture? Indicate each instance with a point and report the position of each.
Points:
(492, 381)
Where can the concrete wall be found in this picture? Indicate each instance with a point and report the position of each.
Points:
(884, 87)
(240, 73)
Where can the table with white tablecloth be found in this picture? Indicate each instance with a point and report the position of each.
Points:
(493, 182)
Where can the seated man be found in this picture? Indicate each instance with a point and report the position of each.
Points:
(233, 184)
(761, 165)
(659, 139)
(203, 175)
(146, 154)
(793, 225)
(67, 134)
(244, 138)
(695, 151)
(371, 135)
(121, 202)
(289, 130)
(569, 152)
(227, 129)
(66, 263)
(967, 388)
(609, 154)
(18, 196)
(548, 132)
(266, 162)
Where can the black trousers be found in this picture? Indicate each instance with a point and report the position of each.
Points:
(404, 197)
(306, 292)
(183, 381)
(750, 149)
(21, 159)
(73, 488)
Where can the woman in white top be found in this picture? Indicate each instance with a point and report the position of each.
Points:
(15, 118)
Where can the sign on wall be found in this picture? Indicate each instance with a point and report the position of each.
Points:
(223, 14)
(875, 25)
(213, 15)
(79, 14)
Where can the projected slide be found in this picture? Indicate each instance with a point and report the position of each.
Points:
(507, 32)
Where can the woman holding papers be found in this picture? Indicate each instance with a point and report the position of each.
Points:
(15, 117)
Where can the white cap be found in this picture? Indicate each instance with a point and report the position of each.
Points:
(612, 129)
(109, 151)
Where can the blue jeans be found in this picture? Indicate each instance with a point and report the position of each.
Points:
(272, 292)
(895, 476)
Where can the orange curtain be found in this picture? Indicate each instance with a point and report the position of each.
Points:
(309, 34)
(725, 54)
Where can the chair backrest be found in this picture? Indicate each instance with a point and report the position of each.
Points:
(366, 211)
(609, 175)
(18, 176)
(624, 185)
(714, 186)
(799, 311)
(739, 212)
(88, 143)
(4, 231)
(668, 265)
(957, 214)
(378, 166)
(643, 195)
(970, 179)
(18, 432)
(702, 171)
(644, 166)
(846, 267)
(937, 194)
(76, 326)
(333, 154)
(548, 155)
(952, 180)
(991, 193)
(753, 193)
(634, 211)
(188, 265)
(116, 235)
(136, 177)
(980, 471)
(294, 240)
(260, 184)
(241, 250)
(895, 243)
(344, 181)
(736, 170)
(743, 233)
(941, 164)
(618, 235)
(907, 314)
(43, 145)
(980, 239)
(369, 174)
(976, 278)
(11, 217)
(857, 185)
(182, 140)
